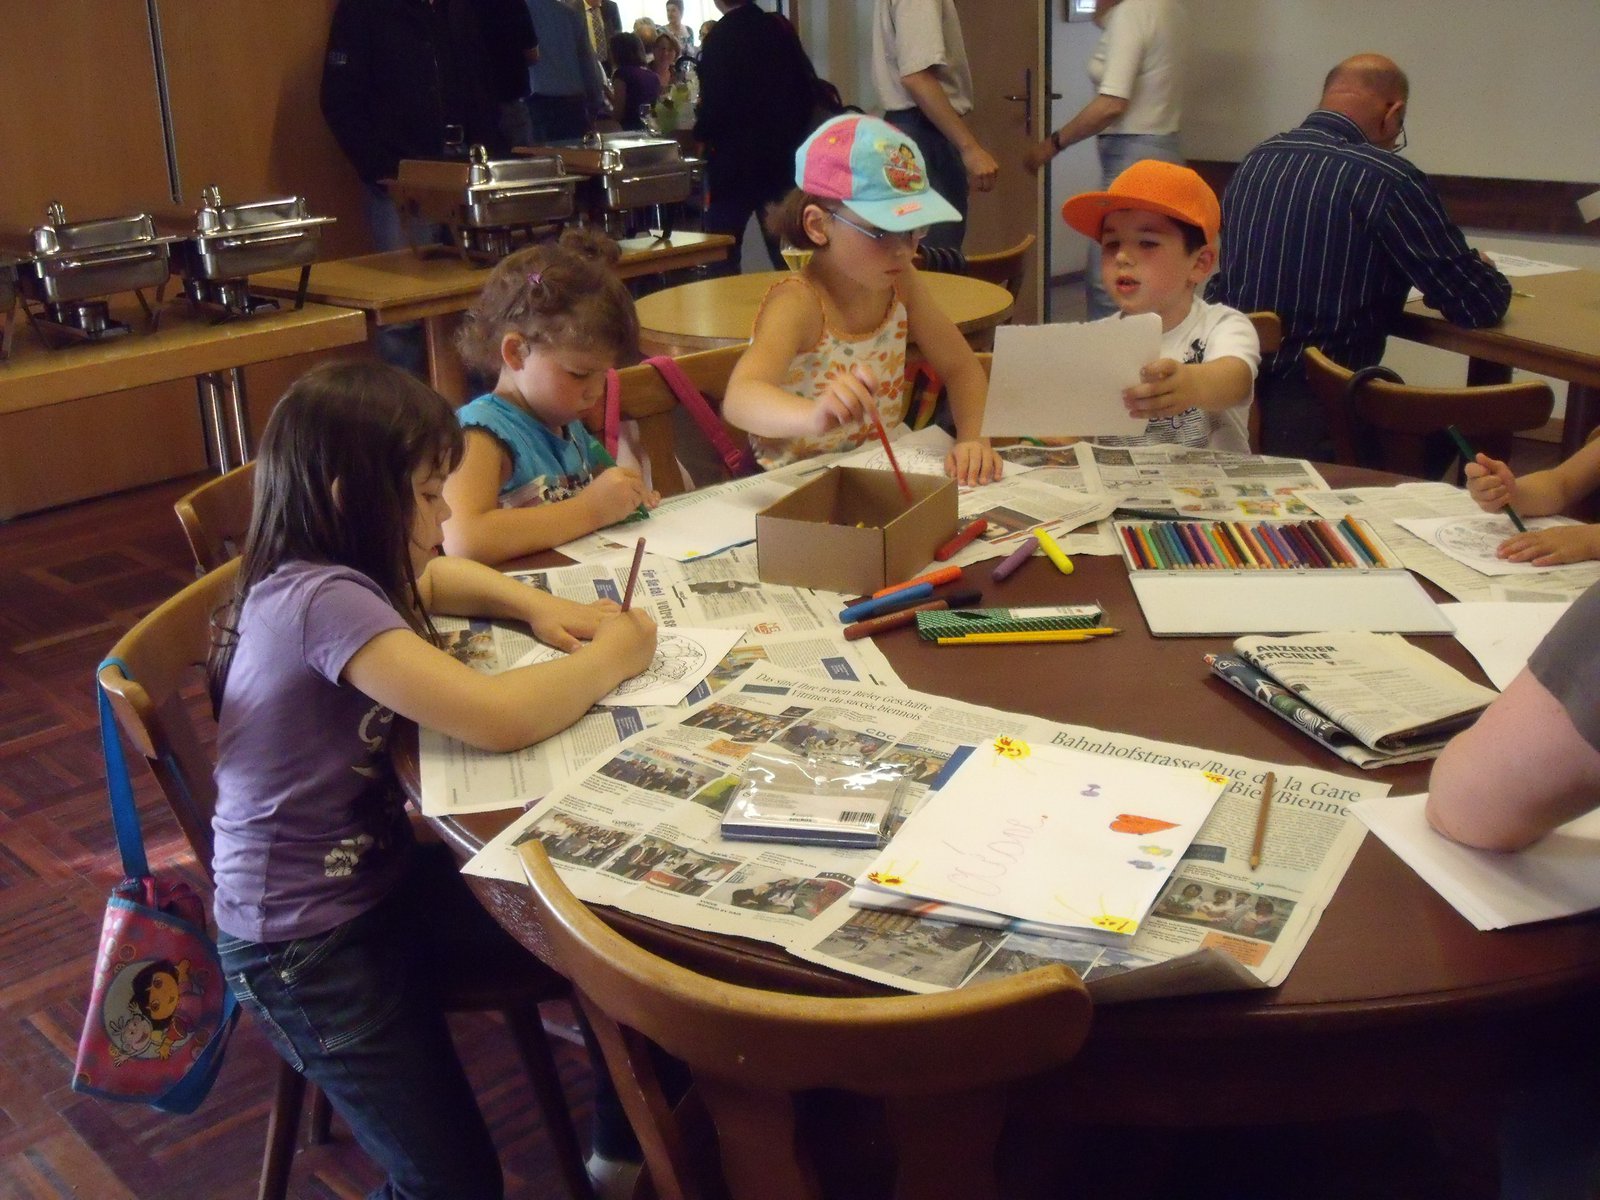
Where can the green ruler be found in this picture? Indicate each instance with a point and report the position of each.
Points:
(962, 621)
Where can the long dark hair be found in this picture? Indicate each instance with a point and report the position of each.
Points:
(365, 427)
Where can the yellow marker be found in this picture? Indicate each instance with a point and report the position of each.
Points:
(1053, 551)
(1030, 635)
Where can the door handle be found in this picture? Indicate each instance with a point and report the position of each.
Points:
(1026, 100)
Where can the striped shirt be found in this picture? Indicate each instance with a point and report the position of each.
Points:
(1330, 232)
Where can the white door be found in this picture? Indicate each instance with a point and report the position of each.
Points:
(1007, 45)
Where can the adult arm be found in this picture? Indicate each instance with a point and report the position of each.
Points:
(1090, 120)
(1522, 770)
(348, 94)
(1431, 252)
(929, 95)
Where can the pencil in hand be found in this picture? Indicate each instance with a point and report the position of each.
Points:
(633, 574)
(1468, 454)
(883, 436)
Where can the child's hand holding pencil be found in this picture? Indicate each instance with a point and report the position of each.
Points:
(848, 398)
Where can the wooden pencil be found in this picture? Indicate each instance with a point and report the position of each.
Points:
(1261, 820)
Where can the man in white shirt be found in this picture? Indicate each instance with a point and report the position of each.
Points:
(1136, 109)
(919, 66)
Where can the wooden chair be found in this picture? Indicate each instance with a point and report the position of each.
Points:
(1005, 267)
(666, 433)
(166, 653)
(1379, 421)
(216, 516)
(939, 1064)
(1269, 332)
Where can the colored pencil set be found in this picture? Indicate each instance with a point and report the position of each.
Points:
(1347, 544)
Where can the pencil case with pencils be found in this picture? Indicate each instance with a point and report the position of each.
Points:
(931, 626)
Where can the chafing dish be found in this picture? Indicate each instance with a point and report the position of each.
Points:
(490, 206)
(627, 171)
(73, 266)
(230, 242)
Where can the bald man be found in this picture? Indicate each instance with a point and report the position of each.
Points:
(1329, 227)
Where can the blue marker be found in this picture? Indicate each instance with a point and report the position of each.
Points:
(889, 603)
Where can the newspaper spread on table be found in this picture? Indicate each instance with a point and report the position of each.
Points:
(1180, 481)
(637, 828)
(1382, 507)
(796, 629)
(1378, 686)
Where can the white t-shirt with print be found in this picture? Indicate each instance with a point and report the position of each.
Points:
(1209, 332)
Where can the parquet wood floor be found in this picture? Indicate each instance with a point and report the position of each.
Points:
(71, 581)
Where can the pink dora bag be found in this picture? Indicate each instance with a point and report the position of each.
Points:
(160, 1011)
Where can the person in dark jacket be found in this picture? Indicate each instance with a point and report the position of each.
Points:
(756, 98)
(402, 79)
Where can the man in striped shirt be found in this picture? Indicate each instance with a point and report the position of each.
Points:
(1329, 227)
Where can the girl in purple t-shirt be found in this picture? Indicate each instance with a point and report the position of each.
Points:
(334, 928)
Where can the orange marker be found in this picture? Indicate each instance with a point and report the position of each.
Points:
(935, 577)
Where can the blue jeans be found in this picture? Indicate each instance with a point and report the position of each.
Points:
(356, 1010)
(1118, 152)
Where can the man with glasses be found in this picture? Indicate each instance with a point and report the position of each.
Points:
(1330, 228)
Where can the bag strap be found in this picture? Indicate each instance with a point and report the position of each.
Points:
(737, 459)
(611, 428)
(124, 815)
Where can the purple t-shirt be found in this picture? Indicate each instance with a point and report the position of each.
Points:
(310, 825)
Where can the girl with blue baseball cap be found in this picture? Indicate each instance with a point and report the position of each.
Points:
(829, 343)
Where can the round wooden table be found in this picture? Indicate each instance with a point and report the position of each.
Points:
(1397, 1001)
(710, 313)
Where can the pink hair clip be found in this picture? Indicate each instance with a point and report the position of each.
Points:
(535, 278)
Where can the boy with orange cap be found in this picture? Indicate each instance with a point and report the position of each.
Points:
(1157, 228)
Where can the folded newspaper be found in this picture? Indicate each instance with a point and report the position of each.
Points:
(1373, 699)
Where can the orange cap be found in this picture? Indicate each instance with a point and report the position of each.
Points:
(1153, 186)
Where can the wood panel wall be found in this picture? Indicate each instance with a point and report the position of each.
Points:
(81, 124)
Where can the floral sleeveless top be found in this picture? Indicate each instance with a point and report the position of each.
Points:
(883, 350)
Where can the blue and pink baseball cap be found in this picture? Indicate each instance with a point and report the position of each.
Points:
(873, 169)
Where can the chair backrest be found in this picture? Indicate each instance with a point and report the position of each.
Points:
(216, 516)
(938, 1064)
(1005, 267)
(666, 434)
(1383, 423)
(1269, 330)
(153, 700)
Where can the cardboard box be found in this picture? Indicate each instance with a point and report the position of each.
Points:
(850, 530)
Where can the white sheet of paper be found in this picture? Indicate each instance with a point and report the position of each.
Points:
(1473, 540)
(1500, 634)
(1589, 207)
(1555, 877)
(1067, 380)
(918, 451)
(683, 658)
(1049, 834)
(710, 524)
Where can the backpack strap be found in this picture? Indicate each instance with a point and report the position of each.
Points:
(124, 816)
(611, 427)
(737, 459)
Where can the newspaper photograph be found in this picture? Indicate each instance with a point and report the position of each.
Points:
(1384, 507)
(1174, 481)
(642, 822)
(793, 629)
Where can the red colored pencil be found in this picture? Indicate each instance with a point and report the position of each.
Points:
(883, 436)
